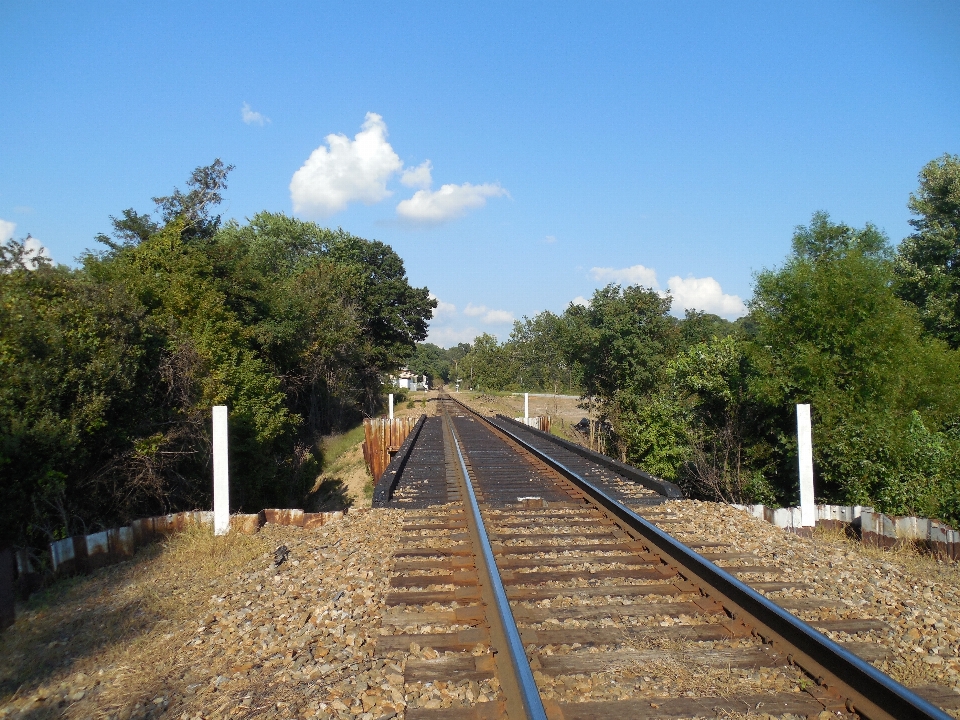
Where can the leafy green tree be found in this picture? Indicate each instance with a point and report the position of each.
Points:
(454, 355)
(831, 332)
(928, 261)
(727, 455)
(430, 360)
(75, 361)
(700, 327)
(536, 346)
(108, 372)
(486, 366)
(620, 341)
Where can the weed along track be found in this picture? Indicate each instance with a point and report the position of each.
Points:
(533, 580)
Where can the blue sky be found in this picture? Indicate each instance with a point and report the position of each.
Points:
(516, 155)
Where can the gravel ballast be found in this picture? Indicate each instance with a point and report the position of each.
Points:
(182, 632)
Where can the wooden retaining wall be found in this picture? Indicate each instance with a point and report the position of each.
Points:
(540, 423)
(382, 438)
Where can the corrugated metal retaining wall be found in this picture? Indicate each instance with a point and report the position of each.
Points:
(85, 553)
(873, 528)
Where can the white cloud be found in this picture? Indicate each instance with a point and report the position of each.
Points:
(487, 315)
(580, 300)
(7, 229)
(35, 249)
(498, 316)
(633, 275)
(346, 171)
(443, 309)
(447, 203)
(251, 116)
(550, 239)
(450, 327)
(688, 293)
(705, 294)
(446, 336)
(418, 177)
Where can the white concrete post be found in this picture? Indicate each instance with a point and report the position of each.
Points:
(808, 508)
(391, 406)
(526, 406)
(221, 472)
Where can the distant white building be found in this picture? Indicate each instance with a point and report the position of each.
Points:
(406, 380)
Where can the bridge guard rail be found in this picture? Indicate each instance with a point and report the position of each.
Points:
(387, 483)
(663, 487)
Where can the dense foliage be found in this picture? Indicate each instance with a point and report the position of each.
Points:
(864, 333)
(108, 371)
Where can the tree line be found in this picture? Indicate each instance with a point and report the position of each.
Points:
(108, 370)
(868, 334)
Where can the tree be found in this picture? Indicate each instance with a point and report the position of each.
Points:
(536, 345)
(394, 314)
(621, 341)
(831, 332)
(75, 379)
(928, 261)
(108, 371)
(430, 360)
(486, 366)
(700, 327)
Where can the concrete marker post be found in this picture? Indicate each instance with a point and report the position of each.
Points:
(391, 406)
(526, 407)
(808, 510)
(221, 472)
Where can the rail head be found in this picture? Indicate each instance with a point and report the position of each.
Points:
(516, 677)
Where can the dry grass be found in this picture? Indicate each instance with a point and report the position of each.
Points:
(345, 480)
(119, 628)
(906, 555)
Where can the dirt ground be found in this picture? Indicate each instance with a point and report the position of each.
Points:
(345, 480)
(564, 410)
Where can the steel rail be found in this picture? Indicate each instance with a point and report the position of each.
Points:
(516, 677)
(864, 689)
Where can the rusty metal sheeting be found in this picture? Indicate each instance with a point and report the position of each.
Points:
(541, 423)
(85, 553)
(382, 437)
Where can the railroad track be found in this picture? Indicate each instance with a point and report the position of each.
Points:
(527, 587)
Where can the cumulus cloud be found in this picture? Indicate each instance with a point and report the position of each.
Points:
(580, 300)
(7, 229)
(418, 177)
(35, 249)
(689, 293)
(443, 309)
(705, 294)
(633, 275)
(251, 116)
(550, 239)
(487, 315)
(447, 203)
(447, 336)
(450, 326)
(346, 171)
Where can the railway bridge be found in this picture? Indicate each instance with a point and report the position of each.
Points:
(528, 563)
